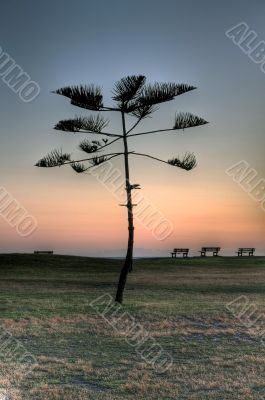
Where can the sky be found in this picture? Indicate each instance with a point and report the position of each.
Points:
(60, 43)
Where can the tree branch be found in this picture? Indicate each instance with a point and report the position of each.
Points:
(108, 144)
(91, 158)
(134, 126)
(188, 162)
(94, 132)
(109, 109)
(99, 133)
(182, 121)
(148, 156)
(92, 166)
(90, 124)
(60, 164)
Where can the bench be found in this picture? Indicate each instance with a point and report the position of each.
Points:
(249, 250)
(214, 250)
(180, 251)
(43, 252)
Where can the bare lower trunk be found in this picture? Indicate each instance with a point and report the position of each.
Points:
(127, 267)
(125, 270)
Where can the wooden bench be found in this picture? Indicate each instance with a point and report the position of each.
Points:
(214, 250)
(180, 251)
(243, 250)
(43, 252)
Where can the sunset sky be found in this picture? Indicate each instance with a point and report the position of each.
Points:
(62, 42)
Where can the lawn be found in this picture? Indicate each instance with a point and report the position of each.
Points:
(182, 304)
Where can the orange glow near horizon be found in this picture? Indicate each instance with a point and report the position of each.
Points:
(70, 222)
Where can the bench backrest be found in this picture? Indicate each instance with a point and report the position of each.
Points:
(211, 248)
(181, 250)
(43, 252)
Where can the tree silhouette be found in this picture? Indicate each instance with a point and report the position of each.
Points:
(132, 97)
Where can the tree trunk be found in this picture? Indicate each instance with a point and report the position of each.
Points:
(127, 267)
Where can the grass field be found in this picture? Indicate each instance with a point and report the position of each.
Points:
(182, 304)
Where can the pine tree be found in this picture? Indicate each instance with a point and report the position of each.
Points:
(132, 96)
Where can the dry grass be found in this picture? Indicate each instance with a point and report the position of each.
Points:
(182, 304)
